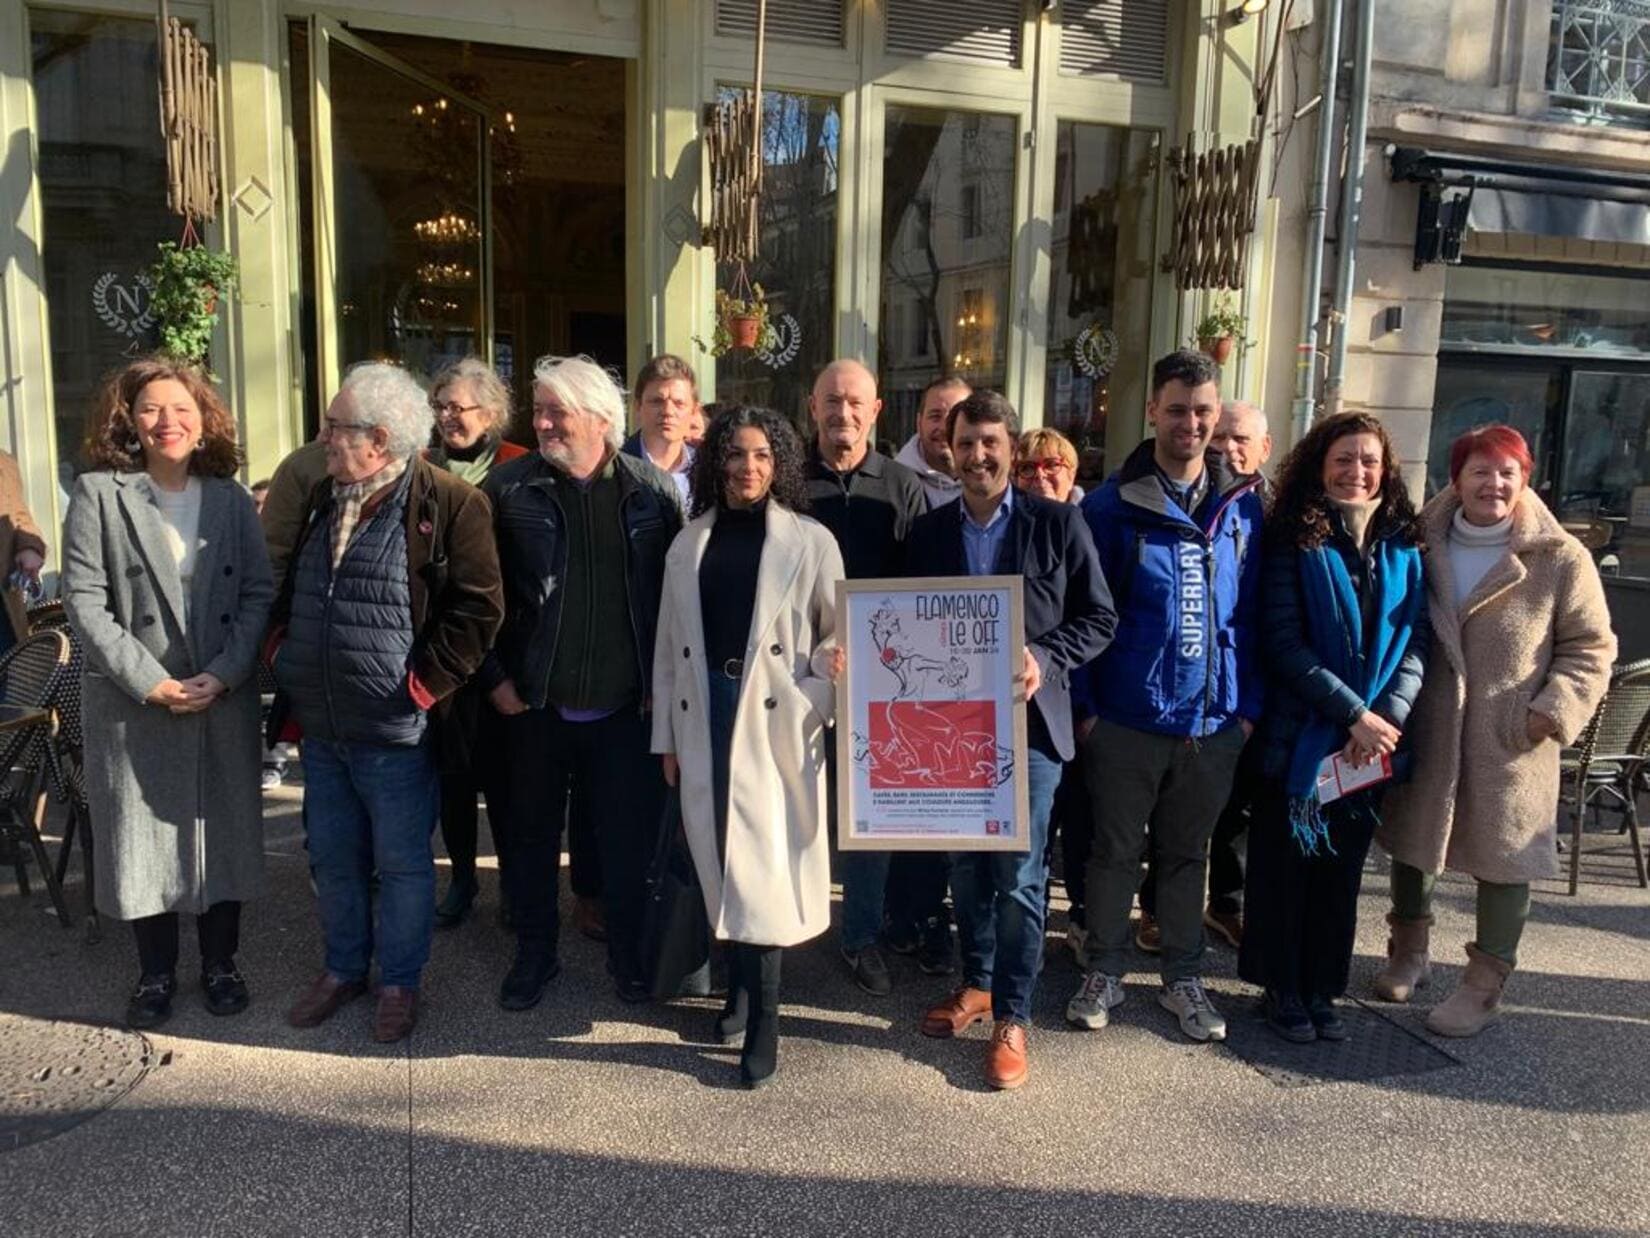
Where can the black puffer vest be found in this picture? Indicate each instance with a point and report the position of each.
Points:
(349, 643)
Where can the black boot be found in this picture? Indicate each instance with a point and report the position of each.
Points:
(730, 1024)
(456, 903)
(760, 1057)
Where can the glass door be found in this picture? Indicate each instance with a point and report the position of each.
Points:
(403, 264)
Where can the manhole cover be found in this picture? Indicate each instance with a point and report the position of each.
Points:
(1376, 1048)
(56, 1075)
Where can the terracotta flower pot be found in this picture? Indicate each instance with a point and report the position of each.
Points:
(1220, 349)
(744, 331)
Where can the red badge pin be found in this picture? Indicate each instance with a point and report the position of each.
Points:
(425, 527)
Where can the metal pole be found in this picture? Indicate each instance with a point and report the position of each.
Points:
(1352, 201)
(1306, 352)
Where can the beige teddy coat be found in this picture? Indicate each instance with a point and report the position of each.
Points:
(1534, 634)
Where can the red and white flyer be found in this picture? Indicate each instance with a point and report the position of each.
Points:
(1337, 776)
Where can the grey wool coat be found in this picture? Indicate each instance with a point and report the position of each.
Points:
(176, 804)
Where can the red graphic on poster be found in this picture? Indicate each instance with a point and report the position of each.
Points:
(933, 744)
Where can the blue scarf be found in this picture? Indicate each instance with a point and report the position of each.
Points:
(1364, 662)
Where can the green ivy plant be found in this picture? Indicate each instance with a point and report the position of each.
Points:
(189, 284)
(729, 307)
(1222, 321)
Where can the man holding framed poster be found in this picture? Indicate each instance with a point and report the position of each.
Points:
(947, 732)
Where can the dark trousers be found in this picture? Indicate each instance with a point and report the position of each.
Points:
(550, 762)
(584, 853)
(1073, 822)
(219, 931)
(917, 882)
(1176, 786)
(1225, 866)
(1302, 911)
(464, 777)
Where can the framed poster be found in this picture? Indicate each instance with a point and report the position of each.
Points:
(931, 743)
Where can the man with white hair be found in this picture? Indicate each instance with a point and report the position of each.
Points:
(1242, 433)
(582, 531)
(390, 601)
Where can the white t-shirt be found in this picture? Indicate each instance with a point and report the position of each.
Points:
(180, 512)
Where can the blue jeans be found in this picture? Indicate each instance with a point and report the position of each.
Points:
(1001, 909)
(373, 807)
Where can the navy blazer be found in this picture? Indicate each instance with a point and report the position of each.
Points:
(1069, 617)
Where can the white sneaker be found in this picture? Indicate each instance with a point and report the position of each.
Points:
(1186, 1000)
(1077, 941)
(273, 776)
(1092, 1004)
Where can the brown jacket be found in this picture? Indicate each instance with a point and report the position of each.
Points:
(18, 532)
(286, 505)
(1533, 635)
(452, 562)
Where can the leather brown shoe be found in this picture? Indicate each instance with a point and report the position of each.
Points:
(1005, 1061)
(325, 995)
(965, 1007)
(396, 1014)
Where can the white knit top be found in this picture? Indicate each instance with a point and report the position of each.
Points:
(1474, 549)
(180, 512)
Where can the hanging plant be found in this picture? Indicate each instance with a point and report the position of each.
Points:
(1221, 331)
(742, 320)
(189, 284)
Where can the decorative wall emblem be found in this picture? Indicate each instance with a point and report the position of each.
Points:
(1094, 351)
(126, 307)
(787, 334)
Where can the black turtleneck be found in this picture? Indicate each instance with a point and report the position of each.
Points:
(727, 580)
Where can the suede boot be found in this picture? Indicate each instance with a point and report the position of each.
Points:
(1407, 966)
(760, 1057)
(1471, 1008)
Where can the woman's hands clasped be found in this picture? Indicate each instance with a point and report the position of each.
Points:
(1372, 738)
(187, 696)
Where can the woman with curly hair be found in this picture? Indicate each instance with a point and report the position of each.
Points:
(1345, 640)
(742, 692)
(1524, 652)
(167, 584)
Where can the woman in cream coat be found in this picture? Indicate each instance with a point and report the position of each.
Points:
(1521, 657)
(742, 697)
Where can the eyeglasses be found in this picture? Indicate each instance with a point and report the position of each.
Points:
(1051, 466)
(452, 408)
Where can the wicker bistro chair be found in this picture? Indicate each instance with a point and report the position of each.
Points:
(31, 676)
(1608, 762)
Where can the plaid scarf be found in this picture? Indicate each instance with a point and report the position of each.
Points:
(349, 500)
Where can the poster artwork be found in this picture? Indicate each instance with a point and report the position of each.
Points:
(932, 726)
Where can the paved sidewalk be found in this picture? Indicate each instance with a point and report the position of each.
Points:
(590, 1117)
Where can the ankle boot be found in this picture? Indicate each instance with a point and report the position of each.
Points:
(730, 1024)
(1471, 1008)
(1407, 966)
(760, 1057)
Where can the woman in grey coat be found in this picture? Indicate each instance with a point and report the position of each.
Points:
(167, 584)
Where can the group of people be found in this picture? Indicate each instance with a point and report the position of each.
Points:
(605, 635)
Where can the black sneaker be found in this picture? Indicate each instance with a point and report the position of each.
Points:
(527, 979)
(151, 1002)
(1286, 1016)
(869, 971)
(225, 989)
(1326, 1020)
(937, 955)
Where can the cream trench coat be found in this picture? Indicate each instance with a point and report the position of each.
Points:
(1533, 634)
(774, 889)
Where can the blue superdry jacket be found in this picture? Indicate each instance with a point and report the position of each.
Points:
(1185, 659)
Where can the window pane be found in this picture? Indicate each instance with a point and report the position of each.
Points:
(1100, 312)
(1543, 310)
(1475, 391)
(947, 233)
(406, 166)
(1606, 463)
(103, 200)
(797, 263)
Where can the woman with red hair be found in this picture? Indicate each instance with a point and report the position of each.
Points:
(1521, 657)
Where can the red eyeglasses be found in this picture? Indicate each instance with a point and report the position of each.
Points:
(1049, 466)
